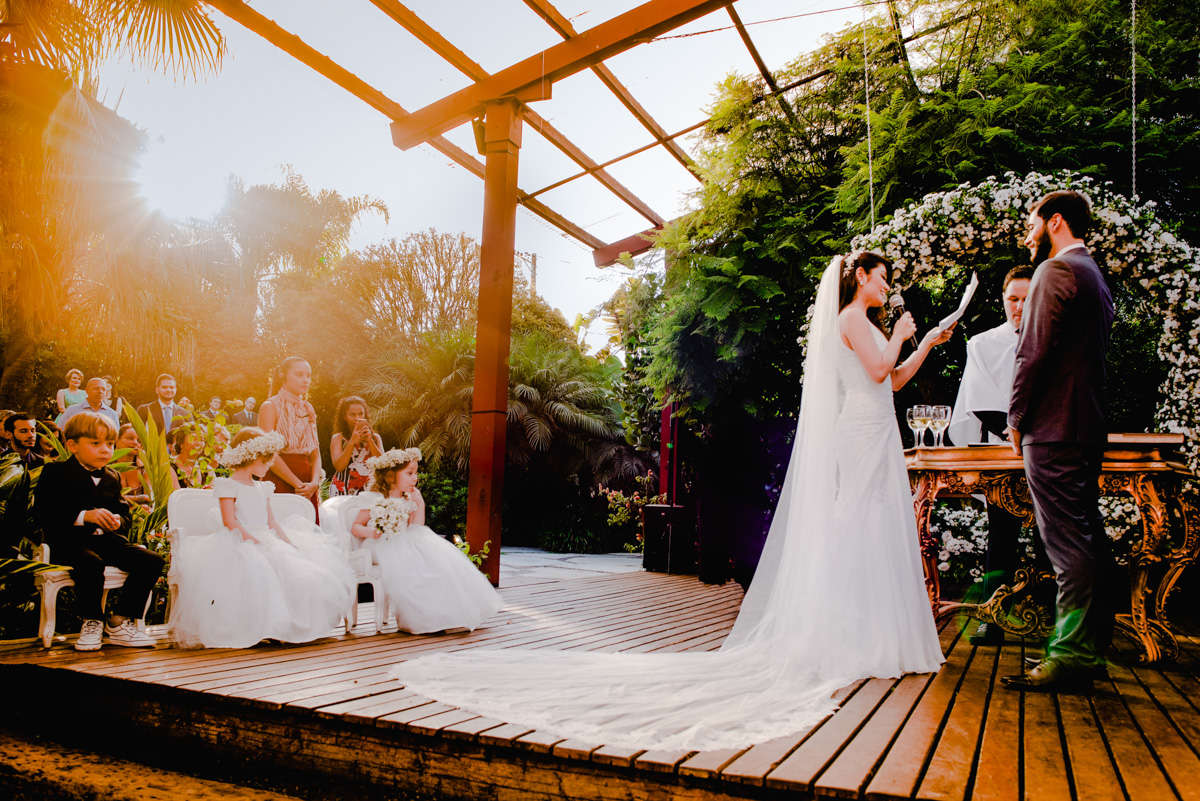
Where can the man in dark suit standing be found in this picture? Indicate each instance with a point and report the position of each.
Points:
(247, 416)
(165, 411)
(84, 519)
(1056, 422)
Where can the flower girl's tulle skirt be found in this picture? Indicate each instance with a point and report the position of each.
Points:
(234, 593)
(430, 584)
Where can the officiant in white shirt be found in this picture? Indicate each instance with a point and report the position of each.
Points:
(981, 415)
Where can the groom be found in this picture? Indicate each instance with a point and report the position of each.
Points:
(1056, 422)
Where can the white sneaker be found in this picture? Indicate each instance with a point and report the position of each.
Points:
(127, 634)
(90, 636)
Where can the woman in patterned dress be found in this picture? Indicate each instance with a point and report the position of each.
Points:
(298, 468)
(352, 444)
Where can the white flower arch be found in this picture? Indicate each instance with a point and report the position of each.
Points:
(950, 229)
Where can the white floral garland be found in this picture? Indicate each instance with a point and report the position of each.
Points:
(393, 458)
(946, 230)
(263, 445)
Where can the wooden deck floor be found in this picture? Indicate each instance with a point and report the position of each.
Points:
(328, 708)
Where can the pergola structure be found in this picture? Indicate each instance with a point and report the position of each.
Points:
(497, 105)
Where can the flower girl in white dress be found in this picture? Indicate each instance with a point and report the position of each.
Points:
(253, 577)
(431, 585)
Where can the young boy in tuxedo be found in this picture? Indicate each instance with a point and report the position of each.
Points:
(84, 520)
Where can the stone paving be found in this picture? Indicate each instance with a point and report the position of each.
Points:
(520, 566)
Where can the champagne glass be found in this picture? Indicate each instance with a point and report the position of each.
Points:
(921, 415)
(914, 424)
(939, 419)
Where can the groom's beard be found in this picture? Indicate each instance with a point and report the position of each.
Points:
(1043, 248)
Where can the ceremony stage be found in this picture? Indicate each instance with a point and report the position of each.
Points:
(328, 712)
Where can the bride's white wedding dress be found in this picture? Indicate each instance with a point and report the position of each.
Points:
(839, 595)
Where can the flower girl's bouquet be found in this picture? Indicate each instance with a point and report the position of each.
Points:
(390, 516)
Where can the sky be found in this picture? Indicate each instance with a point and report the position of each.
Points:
(264, 110)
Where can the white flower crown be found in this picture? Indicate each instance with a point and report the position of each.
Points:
(264, 445)
(393, 458)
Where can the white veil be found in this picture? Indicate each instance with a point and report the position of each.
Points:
(792, 646)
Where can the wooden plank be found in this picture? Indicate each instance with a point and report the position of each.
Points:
(540, 741)
(577, 750)
(1045, 766)
(412, 714)
(948, 777)
(998, 774)
(1092, 771)
(801, 768)
(847, 776)
(505, 734)
(708, 764)
(619, 755)
(1173, 753)
(904, 764)
(472, 728)
(753, 766)
(433, 724)
(1181, 709)
(1139, 772)
(662, 760)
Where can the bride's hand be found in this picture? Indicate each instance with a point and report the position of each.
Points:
(937, 336)
(905, 327)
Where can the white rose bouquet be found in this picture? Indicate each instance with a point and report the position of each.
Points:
(390, 516)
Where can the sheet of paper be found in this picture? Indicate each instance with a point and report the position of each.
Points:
(957, 314)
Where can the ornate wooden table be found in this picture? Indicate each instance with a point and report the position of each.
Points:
(1146, 467)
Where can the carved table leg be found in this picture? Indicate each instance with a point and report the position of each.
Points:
(1138, 624)
(924, 496)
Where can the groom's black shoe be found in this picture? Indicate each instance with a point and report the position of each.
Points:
(1051, 675)
(1097, 672)
(987, 634)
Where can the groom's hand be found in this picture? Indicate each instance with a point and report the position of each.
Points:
(1014, 436)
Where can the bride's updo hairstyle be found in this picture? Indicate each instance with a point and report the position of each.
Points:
(848, 282)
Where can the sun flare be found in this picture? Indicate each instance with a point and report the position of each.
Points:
(174, 183)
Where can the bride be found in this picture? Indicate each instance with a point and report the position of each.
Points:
(839, 593)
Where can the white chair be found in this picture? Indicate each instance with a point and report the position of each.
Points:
(48, 584)
(337, 515)
(196, 511)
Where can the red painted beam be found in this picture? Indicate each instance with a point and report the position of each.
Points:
(439, 44)
(571, 56)
(554, 18)
(633, 245)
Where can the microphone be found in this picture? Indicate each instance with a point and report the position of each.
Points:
(896, 303)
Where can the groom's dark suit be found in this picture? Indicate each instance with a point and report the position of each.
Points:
(1057, 406)
(65, 489)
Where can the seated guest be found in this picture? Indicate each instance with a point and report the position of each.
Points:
(214, 408)
(73, 393)
(48, 445)
(6, 444)
(247, 416)
(84, 520)
(164, 410)
(94, 402)
(352, 444)
(134, 482)
(980, 415)
(22, 429)
(185, 447)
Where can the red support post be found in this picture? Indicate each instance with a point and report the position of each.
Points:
(489, 404)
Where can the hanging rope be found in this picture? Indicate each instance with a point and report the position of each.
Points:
(867, 97)
(1133, 94)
